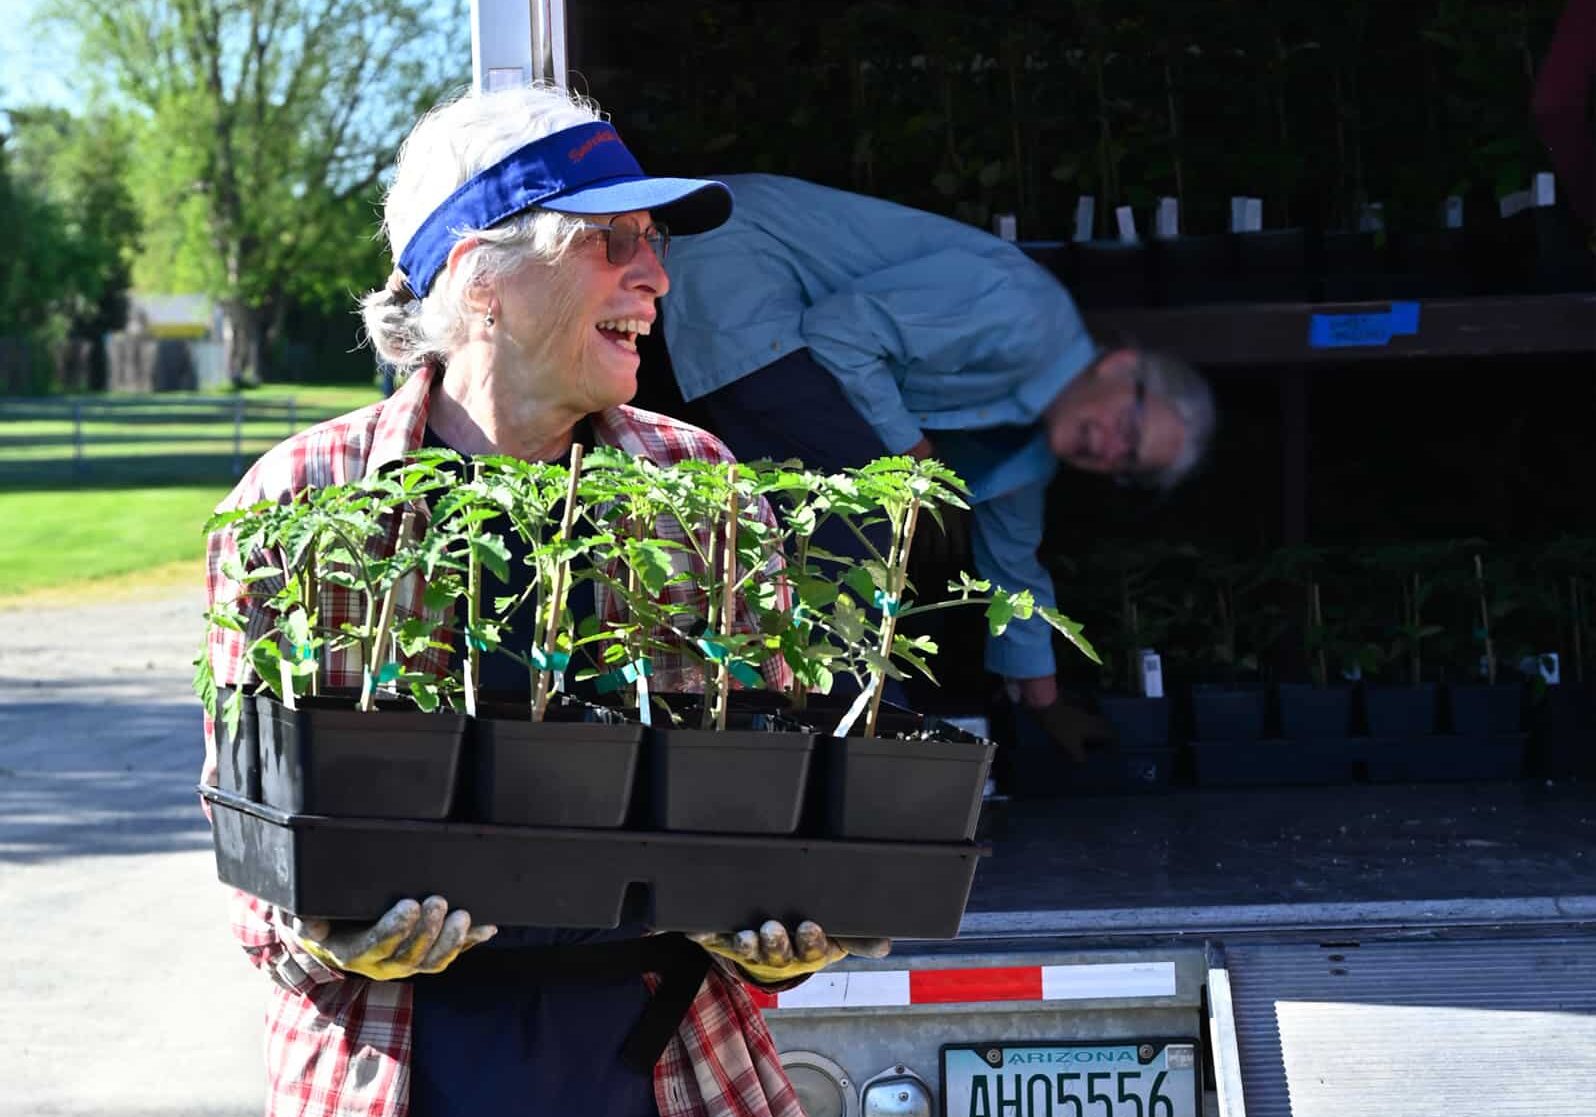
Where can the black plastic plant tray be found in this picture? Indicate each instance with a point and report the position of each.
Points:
(1329, 760)
(1443, 757)
(357, 868)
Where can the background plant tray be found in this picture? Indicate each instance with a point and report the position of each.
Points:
(330, 868)
(1443, 757)
(1276, 760)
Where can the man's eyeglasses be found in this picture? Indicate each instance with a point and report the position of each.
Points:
(621, 241)
(1129, 471)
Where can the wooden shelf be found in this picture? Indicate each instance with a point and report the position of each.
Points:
(1280, 333)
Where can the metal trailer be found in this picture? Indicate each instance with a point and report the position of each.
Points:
(1334, 952)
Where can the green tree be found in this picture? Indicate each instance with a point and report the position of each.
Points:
(78, 165)
(268, 126)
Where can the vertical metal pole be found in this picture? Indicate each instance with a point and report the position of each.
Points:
(548, 22)
(77, 438)
(1294, 506)
(514, 42)
(238, 435)
(1294, 451)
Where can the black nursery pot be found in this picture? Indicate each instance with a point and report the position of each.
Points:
(577, 767)
(1564, 723)
(1400, 711)
(328, 758)
(1483, 710)
(1109, 274)
(238, 758)
(1192, 271)
(1310, 713)
(748, 780)
(891, 789)
(1435, 263)
(1223, 713)
(1137, 721)
(1352, 267)
(1272, 266)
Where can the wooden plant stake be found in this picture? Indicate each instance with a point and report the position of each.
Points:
(551, 631)
(898, 567)
(473, 656)
(368, 690)
(728, 603)
(312, 595)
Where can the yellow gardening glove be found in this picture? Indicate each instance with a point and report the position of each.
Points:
(412, 938)
(769, 957)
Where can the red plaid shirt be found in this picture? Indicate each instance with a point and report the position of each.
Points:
(339, 1045)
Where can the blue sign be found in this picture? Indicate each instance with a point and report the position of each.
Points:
(1342, 331)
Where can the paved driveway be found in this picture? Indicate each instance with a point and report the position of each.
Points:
(121, 992)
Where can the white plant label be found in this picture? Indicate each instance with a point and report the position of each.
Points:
(1168, 221)
(1125, 218)
(1085, 217)
(1152, 674)
(1515, 203)
(1545, 189)
(1452, 212)
(1006, 227)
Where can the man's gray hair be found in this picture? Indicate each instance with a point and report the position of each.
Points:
(1184, 389)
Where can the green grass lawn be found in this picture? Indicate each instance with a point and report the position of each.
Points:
(64, 537)
(316, 397)
(146, 485)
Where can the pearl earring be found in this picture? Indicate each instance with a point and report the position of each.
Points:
(487, 319)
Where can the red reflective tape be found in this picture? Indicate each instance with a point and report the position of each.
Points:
(761, 998)
(1000, 983)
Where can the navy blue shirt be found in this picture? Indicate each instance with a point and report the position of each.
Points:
(483, 1045)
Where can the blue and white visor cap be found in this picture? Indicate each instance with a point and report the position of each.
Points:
(583, 170)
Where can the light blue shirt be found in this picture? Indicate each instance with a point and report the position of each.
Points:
(930, 326)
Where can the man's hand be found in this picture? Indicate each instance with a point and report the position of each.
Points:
(922, 449)
(411, 938)
(1067, 727)
(770, 955)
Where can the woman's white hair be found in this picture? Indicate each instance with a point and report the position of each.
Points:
(455, 140)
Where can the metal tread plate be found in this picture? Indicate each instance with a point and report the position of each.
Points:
(1417, 1029)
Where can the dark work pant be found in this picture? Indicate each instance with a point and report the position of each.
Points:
(794, 408)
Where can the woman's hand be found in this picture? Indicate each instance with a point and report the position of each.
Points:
(411, 938)
(771, 956)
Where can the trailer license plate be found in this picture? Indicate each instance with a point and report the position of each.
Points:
(1080, 1079)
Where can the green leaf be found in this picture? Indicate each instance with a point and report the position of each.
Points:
(999, 611)
(296, 627)
(817, 593)
(204, 682)
(233, 712)
(414, 635)
(651, 561)
(860, 580)
(492, 553)
(425, 695)
(265, 657)
(1071, 631)
(440, 594)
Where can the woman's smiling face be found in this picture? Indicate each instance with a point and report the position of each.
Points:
(577, 321)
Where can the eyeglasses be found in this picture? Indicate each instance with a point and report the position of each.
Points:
(621, 241)
(1131, 428)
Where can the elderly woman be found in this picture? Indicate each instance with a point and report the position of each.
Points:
(529, 246)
